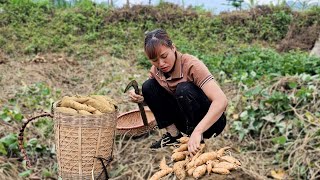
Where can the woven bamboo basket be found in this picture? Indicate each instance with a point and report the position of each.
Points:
(131, 124)
(79, 139)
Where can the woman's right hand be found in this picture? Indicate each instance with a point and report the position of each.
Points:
(136, 98)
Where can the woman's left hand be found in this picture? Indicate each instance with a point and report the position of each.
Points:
(194, 143)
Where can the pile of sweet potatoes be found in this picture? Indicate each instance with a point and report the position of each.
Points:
(86, 105)
(197, 166)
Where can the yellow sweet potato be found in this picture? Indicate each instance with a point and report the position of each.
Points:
(102, 107)
(178, 156)
(158, 175)
(163, 164)
(220, 171)
(190, 171)
(221, 151)
(192, 162)
(183, 140)
(179, 169)
(66, 110)
(203, 158)
(230, 159)
(108, 102)
(84, 112)
(190, 165)
(107, 98)
(67, 102)
(78, 98)
(97, 112)
(209, 166)
(183, 147)
(214, 162)
(199, 171)
(226, 165)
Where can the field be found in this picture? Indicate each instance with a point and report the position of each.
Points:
(260, 57)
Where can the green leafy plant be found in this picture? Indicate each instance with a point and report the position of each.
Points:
(9, 145)
(37, 96)
(9, 115)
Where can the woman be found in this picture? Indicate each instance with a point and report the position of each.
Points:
(181, 93)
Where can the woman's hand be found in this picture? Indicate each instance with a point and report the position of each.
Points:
(194, 143)
(135, 97)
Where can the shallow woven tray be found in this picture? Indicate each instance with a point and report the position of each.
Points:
(131, 124)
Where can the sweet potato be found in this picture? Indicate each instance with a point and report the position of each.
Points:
(221, 151)
(190, 165)
(183, 140)
(183, 147)
(107, 98)
(203, 158)
(84, 112)
(230, 159)
(80, 99)
(190, 171)
(163, 164)
(158, 175)
(67, 102)
(102, 107)
(209, 166)
(220, 171)
(179, 169)
(192, 162)
(66, 110)
(108, 102)
(178, 156)
(199, 171)
(214, 162)
(97, 112)
(226, 165)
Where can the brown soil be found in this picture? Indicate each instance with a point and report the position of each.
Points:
(301, 36)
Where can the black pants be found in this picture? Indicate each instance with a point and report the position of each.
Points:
(185, 108)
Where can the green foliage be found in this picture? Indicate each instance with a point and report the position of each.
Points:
(25, 173)
(117, 51)
(9, 144)
(275, 106)
(279, 140)
(36, 96)
(35, 146)
(254, 64)
(45, 127)
(236, 3)
(273, 27)
(143, 60)
(3, 149)
(42, 27)
(19, 12)
(9, 115)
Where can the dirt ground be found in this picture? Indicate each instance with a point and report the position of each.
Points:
(132, 157)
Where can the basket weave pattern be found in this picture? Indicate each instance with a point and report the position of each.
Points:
(80, 138)
(131, 124)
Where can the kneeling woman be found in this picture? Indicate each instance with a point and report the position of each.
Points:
(181, 93)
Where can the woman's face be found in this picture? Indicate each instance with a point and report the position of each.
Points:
(166, 59)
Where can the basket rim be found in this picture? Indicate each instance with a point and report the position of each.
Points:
(134, 127)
